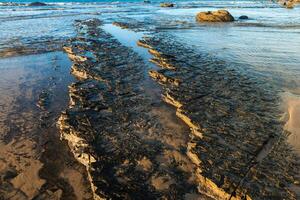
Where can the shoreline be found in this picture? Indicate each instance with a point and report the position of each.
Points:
(31, 150)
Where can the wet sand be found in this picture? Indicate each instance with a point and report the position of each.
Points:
(34, 162)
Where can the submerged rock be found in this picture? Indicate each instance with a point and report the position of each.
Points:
(167, 5)
(215, 16)
(130, 24)
(37, 4)
(43, 100)
(243, 17)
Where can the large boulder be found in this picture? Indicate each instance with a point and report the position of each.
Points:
(215, 16)
(37, 4)
(167, 5)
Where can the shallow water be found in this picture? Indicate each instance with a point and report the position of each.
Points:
(29, 140)
(128, 38)
(266, 43)
(24, 78)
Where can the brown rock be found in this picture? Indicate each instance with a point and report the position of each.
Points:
(289, 3)
(243, 17)
(215, 16)
(169, 5)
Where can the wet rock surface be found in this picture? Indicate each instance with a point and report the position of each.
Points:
(37, 4)
(133, 25)
(167, 5)
(239, 144)
(243, 17)
(130, 146)
(236, 149)
(157, 24)
(36, 47)
(215, 16)
(43, 99)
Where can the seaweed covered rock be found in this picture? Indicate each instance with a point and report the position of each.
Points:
(215, 16)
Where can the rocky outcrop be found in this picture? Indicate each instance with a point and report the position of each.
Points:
(239, 144)
(167, 5)
(163, 78)
(125, 25)
(215, 16)
(37, 4)
(236, 148)
(113, 127)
